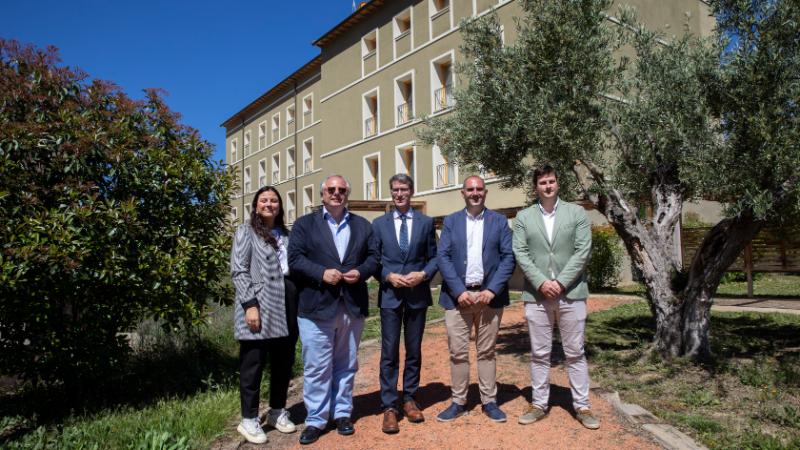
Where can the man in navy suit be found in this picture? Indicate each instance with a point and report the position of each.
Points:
(406, 240)
(332, 254)
(476, 259)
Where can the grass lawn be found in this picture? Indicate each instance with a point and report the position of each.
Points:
(765, 285)
(748, 397)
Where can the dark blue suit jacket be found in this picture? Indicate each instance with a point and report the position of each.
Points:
(312, 250)
(498, 257)
(421, 256)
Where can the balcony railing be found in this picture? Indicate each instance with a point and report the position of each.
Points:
(370, 127)
(307, 166)
(290, 215)
(371, 189)
(276, 176)
(445, 175)
(443, 97)
(262, 141)
(290, 171)
(404, 113)
(262, 181)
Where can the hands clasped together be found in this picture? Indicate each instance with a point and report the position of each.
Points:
(334, 276)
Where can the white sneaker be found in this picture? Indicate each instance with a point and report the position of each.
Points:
(251, 430)
(279, 419)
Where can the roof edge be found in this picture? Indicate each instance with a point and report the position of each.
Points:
(357, 16)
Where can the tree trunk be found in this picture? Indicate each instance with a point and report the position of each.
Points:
(719, 249)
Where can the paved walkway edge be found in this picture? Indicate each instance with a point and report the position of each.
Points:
(665, 434)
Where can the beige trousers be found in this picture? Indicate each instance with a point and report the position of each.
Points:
(459, 323)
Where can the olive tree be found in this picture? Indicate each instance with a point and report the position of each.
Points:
(111, 211)
(634, 120)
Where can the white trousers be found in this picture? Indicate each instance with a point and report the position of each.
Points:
(570, 315)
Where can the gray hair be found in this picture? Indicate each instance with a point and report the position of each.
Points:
(402, 179)
(322, 185)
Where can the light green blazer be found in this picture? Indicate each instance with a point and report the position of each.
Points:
(566, 257)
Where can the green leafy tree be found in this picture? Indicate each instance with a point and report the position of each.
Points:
(110, 211)
(634, 121)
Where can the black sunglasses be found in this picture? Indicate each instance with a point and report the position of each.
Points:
(332, 190)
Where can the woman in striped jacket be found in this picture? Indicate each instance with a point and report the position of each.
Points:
(265, 314)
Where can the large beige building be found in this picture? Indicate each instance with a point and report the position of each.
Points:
(355, 108)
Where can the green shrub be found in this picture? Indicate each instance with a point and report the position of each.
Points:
(605, 263)
(110, 211)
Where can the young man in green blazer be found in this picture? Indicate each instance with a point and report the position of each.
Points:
(552, 243)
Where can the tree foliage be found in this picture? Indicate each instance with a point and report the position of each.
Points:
(636, 120)
(110, 211)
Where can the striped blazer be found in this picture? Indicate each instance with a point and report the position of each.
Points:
(256, 273)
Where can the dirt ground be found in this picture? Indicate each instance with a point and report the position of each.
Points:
(559, 430)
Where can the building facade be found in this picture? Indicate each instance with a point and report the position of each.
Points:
(355, 109)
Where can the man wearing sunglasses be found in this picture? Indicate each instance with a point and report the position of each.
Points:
(332, 254)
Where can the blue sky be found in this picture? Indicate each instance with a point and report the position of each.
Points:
(212, 57)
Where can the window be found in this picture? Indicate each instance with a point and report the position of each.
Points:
(262, 135)
(276, 168)
(401, 27)
(404, 159)
(439, 6)
(290, 167)
(369, 53)
(372, 164)
(403, 99)
(262, 173)
(234, 150)
(308, 110)
(247, 210)
(291, 211)
(289, 116)
(308, 199)
(441, 17)
(276, 127)
(247, 184)
(444, 170)
(308, 155)
(234, 214)
(246, 143)
(442, 83)
(370, 113)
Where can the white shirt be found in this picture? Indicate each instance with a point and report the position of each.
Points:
(474, 273)
(398, 222)
(549, 221)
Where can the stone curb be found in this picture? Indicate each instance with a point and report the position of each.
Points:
(666, 435)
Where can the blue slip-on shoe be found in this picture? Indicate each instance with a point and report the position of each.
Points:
(493, 412)
(453, 412)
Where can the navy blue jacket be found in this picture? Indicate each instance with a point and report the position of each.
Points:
(312, 250)
(421, 256)
(498, 257)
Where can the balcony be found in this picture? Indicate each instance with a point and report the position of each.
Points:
(290, 215)
(371, 189)
(307, 166)
(262, 141)
(276, 176)
(370, 126)
(443, 98)
(404, 113)
(262, 181)
(290, 171)
(445, 175)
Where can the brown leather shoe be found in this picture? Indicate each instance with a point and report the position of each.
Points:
(390, 422)
(413, 414)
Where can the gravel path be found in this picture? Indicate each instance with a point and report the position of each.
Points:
(473, 431)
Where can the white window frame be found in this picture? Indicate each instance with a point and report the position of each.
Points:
(262, 135)
(234, 149)
(310, 198)
(292, 160)
(398, 96)
(291, 205)
(289, 119)
(366, 172)
(234, 213)
(262, 172)
(247, 180)
(276, 156)
(308, 110)
(311, 156)
(247, 143)
(396, 34)
(399, 164)
(435, 14)
(435, 77)
(365, 52)
(274, 127)
(365, 112)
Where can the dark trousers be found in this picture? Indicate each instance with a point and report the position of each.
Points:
(279, 352)
(412, 321)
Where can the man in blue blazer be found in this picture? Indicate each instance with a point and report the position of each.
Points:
(476, 259)
(406, 240)
(332, 254)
